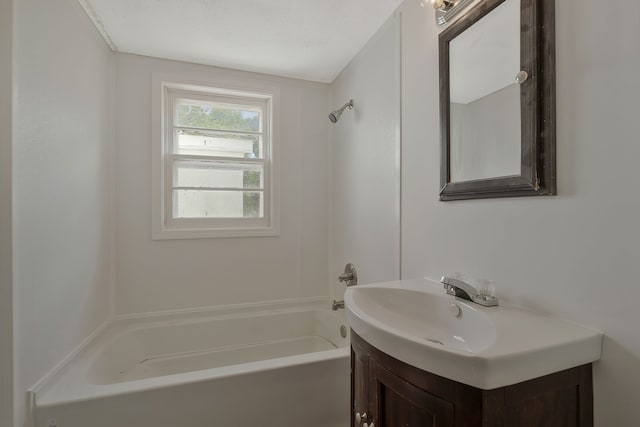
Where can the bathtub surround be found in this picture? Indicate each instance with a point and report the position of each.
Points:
(6, 295)
(61, 192)
(365, 164)
(154, 275)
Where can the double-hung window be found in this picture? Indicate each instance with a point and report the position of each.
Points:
(216, 166)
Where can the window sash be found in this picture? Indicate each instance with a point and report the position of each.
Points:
(260, 105)
(225, 164)
(231, 102)
(170, 148)
(227, 141)
(254, 213)
(212, 131)
(215, 164)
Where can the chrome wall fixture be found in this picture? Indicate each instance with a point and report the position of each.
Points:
(334, 116)
(446, 10)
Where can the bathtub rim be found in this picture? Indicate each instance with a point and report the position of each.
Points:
(205, 311)
(193, 377)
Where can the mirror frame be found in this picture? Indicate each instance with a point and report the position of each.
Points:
(538, 107)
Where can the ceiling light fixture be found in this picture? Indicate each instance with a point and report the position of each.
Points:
(447, 9)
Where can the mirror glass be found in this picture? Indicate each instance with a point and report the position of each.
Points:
(485, 106)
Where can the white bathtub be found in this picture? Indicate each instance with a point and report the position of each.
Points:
(283, 367)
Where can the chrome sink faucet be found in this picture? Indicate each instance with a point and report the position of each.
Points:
(465, 291)
(350, 277)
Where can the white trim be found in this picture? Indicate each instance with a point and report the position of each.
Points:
(322, 301)
(112, 187)
(8, 365)
(91, 13)
(398, 135)
(163, 229)
(330, 221)
(199, 233)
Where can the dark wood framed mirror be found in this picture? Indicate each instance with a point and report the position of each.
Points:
(497, 101)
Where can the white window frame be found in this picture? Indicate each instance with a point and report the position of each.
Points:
(164, 226)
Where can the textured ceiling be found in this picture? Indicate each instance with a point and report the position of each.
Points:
(307, 39)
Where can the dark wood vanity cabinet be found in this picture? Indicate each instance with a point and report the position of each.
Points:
(394, 394)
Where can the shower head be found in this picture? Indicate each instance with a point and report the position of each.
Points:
(334, 116)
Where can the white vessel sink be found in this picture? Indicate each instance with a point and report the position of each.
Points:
(485, 347)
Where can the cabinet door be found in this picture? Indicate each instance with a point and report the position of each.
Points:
(398, 403)
(359, 383)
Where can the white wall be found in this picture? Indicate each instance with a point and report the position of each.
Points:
(364, 162)
(6, 295)
(181, 274)
(574, 255)
(61, 206)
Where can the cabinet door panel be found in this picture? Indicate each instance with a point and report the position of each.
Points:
(398, 403)
(359, 382)
(552, 409)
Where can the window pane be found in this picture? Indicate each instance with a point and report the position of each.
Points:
(221, 144)
(197, 114)
(217, 175)
(218, 204)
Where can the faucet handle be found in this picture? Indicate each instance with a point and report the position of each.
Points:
(350, 275)
(344, 277)
(460, 289)
(451, 290)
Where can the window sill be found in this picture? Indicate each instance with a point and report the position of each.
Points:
(184, 233)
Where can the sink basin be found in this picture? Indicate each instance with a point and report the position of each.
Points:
(416, 322)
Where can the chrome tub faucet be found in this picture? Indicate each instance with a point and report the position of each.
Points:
(350, 277)
(337, 304)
